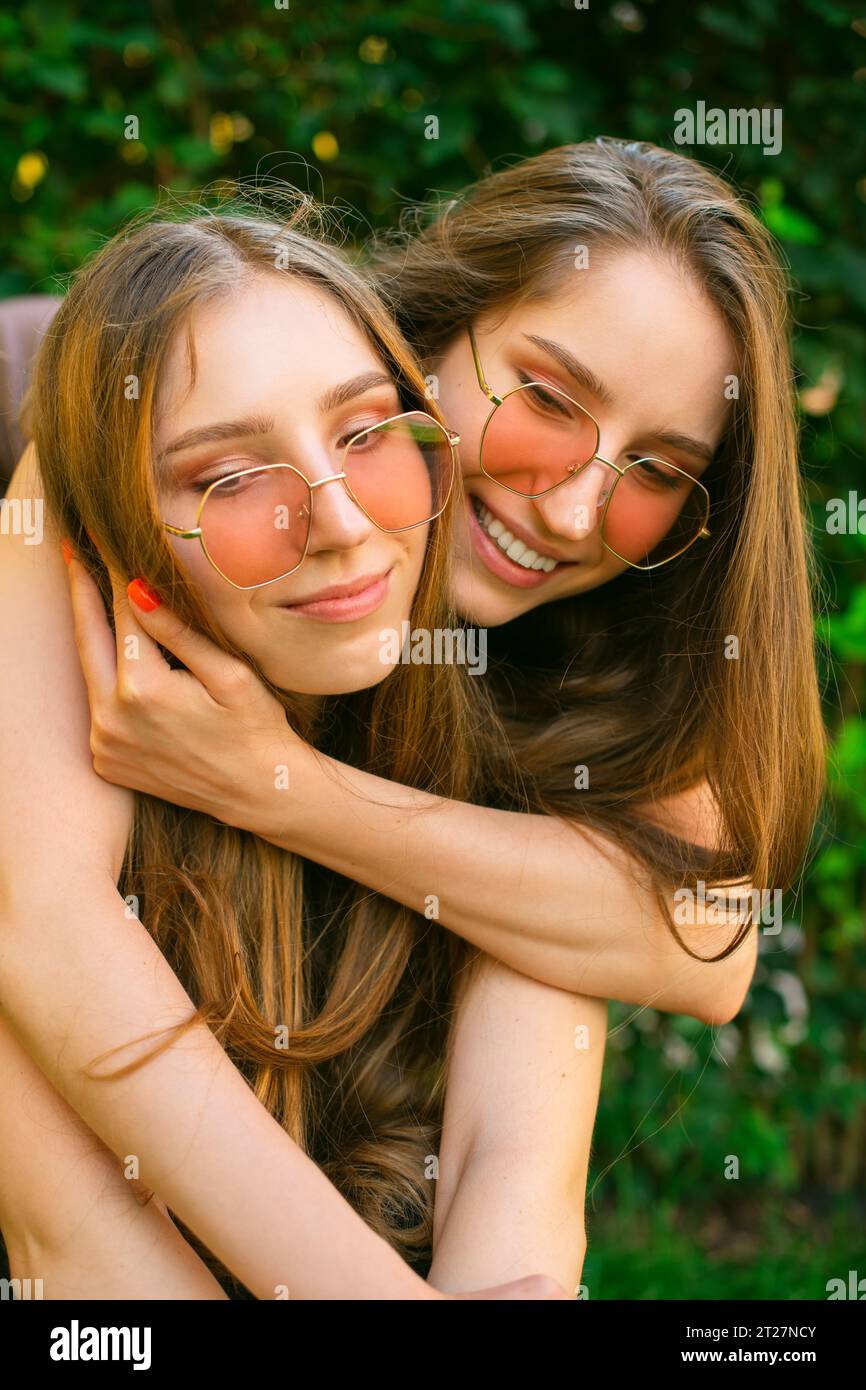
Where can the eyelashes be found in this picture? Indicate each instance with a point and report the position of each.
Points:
(236, 466)
(362, 430)
(546, 398)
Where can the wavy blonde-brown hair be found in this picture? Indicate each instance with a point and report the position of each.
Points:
(261, 940)
(631, 678)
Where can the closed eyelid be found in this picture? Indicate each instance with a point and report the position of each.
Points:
(183, 472)
(559, 400)
(529, 376)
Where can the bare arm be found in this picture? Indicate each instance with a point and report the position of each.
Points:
(537, 894)
(523, 1087)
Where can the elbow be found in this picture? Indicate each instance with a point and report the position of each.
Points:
(722, 1010)
(733, 982)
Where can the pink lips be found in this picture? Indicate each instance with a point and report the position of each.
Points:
(498, 562)
(344, 603)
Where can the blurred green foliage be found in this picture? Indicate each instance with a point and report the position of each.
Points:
(335, 98)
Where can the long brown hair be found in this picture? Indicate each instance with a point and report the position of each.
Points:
(632, 679)
(333, 1000)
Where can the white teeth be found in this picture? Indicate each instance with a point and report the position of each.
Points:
(515, 549)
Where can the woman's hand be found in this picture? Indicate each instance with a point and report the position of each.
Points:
(205, 738)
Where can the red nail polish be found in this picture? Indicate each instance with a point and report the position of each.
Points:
(143, 596)
(66, 549)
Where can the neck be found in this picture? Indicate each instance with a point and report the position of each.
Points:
(308, 707)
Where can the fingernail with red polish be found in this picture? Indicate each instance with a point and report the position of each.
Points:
(143, 596)
(66, 548)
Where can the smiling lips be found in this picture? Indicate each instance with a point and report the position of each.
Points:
(344, 603)
(506, 555)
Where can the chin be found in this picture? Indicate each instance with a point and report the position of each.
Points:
(480, 605)
(489, 605)
(329, 678)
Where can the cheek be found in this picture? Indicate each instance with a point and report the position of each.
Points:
(191, 558)
(416, 549)
(201, 572)
(229, 608)
(407, 561)
(469, 465)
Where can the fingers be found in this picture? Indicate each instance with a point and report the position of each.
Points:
(142, 625)
(138, 654)
(226, 679)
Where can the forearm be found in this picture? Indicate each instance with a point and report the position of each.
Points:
(507, 1219)
(528, 889)
(118, 1250)
(69, 1213)
(202, 1141)
(523, 1087)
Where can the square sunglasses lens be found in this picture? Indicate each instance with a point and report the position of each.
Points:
(255, 524)
(400, 472)
(654, 513)
(536, 439)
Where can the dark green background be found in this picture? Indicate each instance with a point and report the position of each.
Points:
(223, 90)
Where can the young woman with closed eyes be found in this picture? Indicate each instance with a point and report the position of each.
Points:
(222, 404)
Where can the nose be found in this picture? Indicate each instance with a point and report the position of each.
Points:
(574, 510)
(338, 522)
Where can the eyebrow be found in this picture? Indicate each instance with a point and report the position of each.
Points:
(251, 425)
(224, 429)
(577, 370)
(586, 378)
(348, 390)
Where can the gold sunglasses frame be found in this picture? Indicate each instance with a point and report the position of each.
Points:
(195, 532)
(702, 534)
